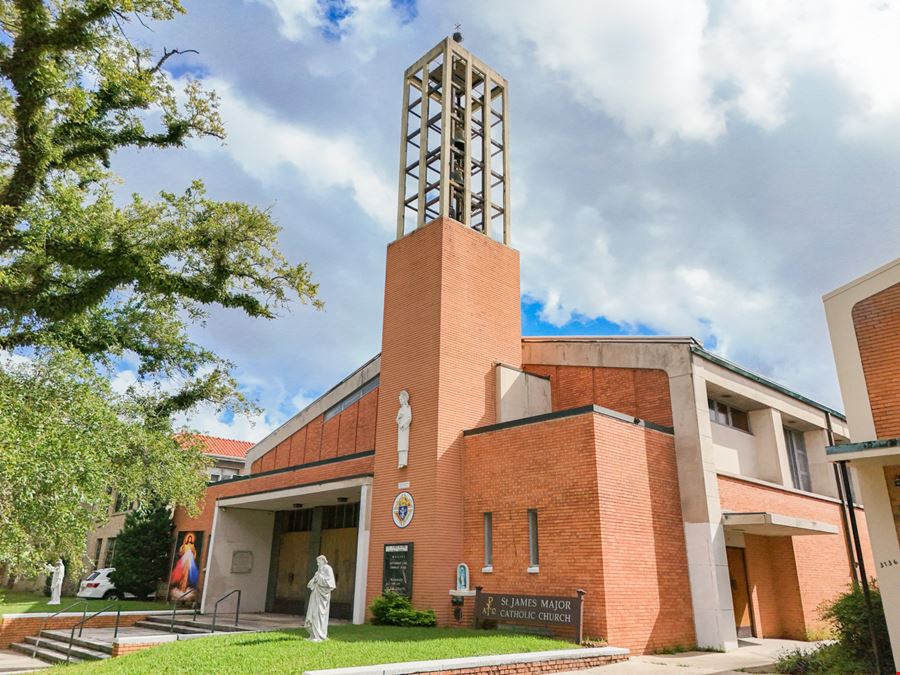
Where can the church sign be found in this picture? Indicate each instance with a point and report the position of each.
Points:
(557, 613)
(398, 569)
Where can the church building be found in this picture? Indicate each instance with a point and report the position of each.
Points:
(687, 500)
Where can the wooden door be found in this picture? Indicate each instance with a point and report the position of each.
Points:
(740, 591)
(339, 546)
(291, 575)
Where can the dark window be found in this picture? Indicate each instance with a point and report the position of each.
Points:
(488, 539)
(97, 550)
(533, 537)
(110, 552)
(723, 413)
(797, 459)
(351, 398)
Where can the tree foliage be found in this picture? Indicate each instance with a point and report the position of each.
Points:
(89, 277)
(65, 437)
(81, 270)
(142, 550)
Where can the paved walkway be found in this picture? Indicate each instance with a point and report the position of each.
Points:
(752, 656)
(14, 662)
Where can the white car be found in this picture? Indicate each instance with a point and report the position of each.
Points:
(99, 585)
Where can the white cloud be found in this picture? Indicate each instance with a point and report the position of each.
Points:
(364, 24)
(677, 69)
(207, 420)
(268, 148)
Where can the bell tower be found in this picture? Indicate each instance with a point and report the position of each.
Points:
(454, 159)
(451, 312)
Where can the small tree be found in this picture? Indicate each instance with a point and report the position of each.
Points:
(142, 551)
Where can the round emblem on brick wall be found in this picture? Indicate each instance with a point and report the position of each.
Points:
(403, 509)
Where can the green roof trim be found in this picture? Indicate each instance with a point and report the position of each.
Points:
(862, 447)
(733, 367)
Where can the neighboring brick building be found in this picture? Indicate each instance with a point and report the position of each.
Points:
(691, 499)
(864, 324)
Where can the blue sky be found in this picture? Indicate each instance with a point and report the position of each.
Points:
(698, 168)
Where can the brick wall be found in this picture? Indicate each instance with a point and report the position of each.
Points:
(790, 577)
(877, 323)
(554, 666)
(451, 309)
(352, 431)
(202, 521)
(640, 392)
(16, 629)
(609, 521)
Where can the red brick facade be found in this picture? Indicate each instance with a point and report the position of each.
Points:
(609, 522)
(347, 433)
(640, 392)
(877, 323)
(790, 577)
(451, 310)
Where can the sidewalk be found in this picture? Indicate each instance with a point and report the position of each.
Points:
(753, 655)
(13, 662)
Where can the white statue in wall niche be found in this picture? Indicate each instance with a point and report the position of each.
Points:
(57, 572)
(319, 605)
(404, 419)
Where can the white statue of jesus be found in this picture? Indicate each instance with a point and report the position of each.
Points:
(57, 572)
(319, 605)
(404, 419)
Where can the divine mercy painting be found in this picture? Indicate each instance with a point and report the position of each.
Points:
(184, 582)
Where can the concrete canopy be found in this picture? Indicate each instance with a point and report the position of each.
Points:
(768, 524)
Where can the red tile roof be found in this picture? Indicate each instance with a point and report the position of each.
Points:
(223, 447)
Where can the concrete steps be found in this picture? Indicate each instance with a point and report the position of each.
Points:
(54, 650)
(189, 626)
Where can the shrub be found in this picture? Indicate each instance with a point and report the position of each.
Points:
(391, 609)
(852, 651)
(142, 551)
(849, 617)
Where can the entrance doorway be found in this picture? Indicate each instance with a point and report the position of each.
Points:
(302, 535)
(740, 591)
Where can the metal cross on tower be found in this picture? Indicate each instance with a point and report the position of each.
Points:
(454, 158)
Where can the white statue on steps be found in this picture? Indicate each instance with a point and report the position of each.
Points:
(57, 572)
(404, 419)
(319, 604)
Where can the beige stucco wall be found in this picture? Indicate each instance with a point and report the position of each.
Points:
(883, 535)
(736, 451)
(838, 312)
(520, 394)
(236, 529)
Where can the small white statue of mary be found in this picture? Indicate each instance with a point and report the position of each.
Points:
(319, 605)
(57, 572)
(404, 419)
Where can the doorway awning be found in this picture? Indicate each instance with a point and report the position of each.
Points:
(767, 524)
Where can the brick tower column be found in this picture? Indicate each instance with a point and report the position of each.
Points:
(451, 310)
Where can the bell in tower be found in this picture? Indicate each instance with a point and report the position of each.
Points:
(454, 160)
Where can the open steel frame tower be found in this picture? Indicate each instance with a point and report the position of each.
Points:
(454, 154)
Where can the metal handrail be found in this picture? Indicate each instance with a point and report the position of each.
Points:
(80, 625)
(37, 642)
(237, 611)
(175, 608)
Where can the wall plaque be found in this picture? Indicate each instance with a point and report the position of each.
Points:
(551, 611)
(398, 569)
(241, 562)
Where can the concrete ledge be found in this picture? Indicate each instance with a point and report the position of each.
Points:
(529, 662)
(133, 612)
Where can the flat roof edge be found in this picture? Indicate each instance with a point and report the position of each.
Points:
(765, 381)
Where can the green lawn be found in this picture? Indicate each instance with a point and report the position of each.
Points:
(289, 652)
(19, 603)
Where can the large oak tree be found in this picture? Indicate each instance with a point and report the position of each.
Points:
(88, 278)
